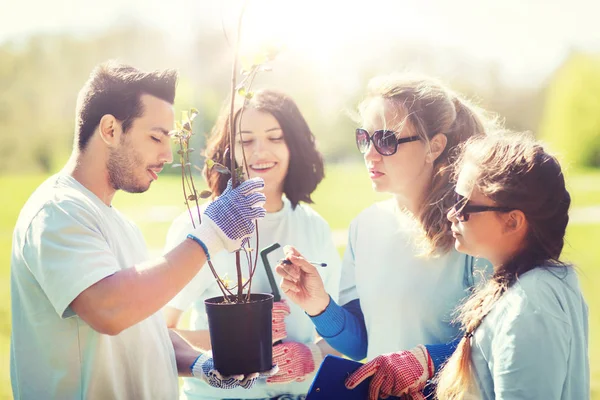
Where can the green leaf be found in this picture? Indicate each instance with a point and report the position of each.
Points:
(242, 91)
(180, 152)
(209, 163)
(249, 95)
(178, 125)
(205, 194)
(239, 174)
(220, 168)
(193, 113)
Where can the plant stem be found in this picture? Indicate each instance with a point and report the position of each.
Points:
(240, 286)
(253, 266)
(226, 292)
(189, 167)
(234, 182)
(187, 204)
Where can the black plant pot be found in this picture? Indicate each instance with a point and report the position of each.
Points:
(241, 334)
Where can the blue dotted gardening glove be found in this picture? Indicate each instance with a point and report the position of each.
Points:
(229, 219)
(203, 369)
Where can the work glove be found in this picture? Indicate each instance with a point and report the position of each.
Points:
(229, 219)
(396, 374)
(296, 362)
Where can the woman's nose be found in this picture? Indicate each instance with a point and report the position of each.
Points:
(371, 154)
(260, 145)
(451, 215)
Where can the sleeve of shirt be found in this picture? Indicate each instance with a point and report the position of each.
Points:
(176, 234)
(530, 354)
(66, 252)
(344, 328)
(348, 291)
(440, 353)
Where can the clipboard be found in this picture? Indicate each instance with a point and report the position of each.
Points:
(329, 381)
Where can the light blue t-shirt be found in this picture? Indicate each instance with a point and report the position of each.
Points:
(66, 239)
(534, 342)
(301, 227)
(406, 298)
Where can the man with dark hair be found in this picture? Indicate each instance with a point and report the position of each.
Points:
(86, 319)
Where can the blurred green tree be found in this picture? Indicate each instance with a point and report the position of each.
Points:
(571, 118)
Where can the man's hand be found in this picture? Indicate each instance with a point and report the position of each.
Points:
(229, 219)
(203, 369)
(295, 361)
(280, 310)
(396, 374)
(302, 283)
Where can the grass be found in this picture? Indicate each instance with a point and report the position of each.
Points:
(344, 192)
(584, 186)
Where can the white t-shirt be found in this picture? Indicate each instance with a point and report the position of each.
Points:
(66, 240)
(534, 342)
(301, 227)
(406, 298)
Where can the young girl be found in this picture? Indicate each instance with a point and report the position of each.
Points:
(526, 330)
(280, 148)
(401, 276)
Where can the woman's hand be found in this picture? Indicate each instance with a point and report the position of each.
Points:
(302, 283)
(396, 374)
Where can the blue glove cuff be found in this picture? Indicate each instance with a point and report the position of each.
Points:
(201, 243)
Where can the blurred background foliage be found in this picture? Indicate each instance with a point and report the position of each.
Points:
(40, 77)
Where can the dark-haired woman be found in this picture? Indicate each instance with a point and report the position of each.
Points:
(280, 148)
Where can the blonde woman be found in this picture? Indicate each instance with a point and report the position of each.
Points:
(401, 276)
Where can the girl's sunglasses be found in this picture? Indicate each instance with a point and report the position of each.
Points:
(462, 209)
(385, 142)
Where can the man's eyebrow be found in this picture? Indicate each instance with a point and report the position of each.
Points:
(162, 130)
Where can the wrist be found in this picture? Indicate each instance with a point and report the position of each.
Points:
(422, 355)
(201, 243)
(317, 357)
(319, 306)
(207, 236)
(196, 367)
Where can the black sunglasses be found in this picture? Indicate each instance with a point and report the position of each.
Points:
(385, 142)
(462, 209)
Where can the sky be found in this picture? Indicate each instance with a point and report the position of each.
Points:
(528, 39)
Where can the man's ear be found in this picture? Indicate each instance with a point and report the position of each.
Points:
(110, 130)
(437, 144)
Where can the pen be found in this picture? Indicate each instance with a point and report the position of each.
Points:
(288, 262)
